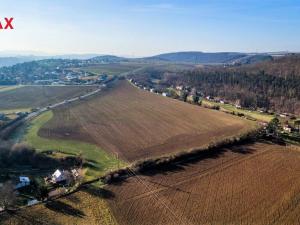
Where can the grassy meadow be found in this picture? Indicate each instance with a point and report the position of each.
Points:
(98, 161)
(230, 108)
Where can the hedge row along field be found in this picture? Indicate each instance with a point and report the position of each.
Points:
(135, 124)
(250, 184)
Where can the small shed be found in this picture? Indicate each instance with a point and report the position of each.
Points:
(23, 182)
(287, 128)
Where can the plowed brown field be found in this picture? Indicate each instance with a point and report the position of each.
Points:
(39, 96)
(137, 124)
(254, 184)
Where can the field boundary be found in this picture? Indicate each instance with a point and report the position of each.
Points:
(159, 163)
(201, 174)
(163, 162)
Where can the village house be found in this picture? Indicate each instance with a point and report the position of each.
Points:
(287, 128)
(179, 88)
(283, 115)
(58, 176)
(191, 98)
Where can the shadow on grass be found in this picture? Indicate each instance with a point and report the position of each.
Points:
(90, 165)
(64, 208)
(73, 198)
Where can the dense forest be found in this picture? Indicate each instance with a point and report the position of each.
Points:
(271, 85)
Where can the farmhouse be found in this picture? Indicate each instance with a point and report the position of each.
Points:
(191, 98)
(287, 128)
(58, 176)
(283, 115)
(179, 88)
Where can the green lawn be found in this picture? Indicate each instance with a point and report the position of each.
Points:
(98, 160)
(254, 114)
(111, 68)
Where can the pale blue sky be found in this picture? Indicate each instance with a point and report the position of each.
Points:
(140, 28)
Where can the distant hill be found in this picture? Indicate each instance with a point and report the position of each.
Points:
(108, 59)
(176, 57)
(211, 58)
(10, 61)
(199, 57)
(252, 59)
(13, 60)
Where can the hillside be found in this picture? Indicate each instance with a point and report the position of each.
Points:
(271, 85)
(285, 67)
(136, 124)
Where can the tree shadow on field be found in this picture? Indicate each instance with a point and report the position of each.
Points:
(183, 161)
(27, 217)
(64, 208)
(73, 198)
(98, 192)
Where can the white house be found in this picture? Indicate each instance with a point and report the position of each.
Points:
(32, 202)
(23, 181)
(58, 176)
(287, 128)
(179, 88)
(282, 115)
